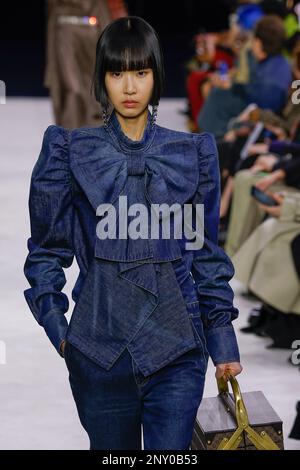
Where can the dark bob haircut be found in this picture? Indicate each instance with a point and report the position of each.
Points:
(128, 43)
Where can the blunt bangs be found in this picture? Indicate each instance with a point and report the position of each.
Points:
(128, 43)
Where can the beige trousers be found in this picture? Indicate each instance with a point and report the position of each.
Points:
(246, 214)
(264, 262)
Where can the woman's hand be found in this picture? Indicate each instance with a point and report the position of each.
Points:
(264, 163)
(230, 136)
(261, 147)
(62, 346)
(274, 211)
(278, 131)
(267, 181)
(246, 114)
(219, 82)
(230, 368)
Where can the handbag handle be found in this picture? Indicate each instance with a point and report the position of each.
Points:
(240, 409)
(261, 441)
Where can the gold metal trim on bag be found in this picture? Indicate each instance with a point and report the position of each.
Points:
(261, 441)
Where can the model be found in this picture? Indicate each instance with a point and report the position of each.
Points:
(149, 310)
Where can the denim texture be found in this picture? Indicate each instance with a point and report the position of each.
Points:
(112, 404)
(151, 296)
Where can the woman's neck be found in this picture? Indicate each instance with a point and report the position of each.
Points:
(133, 127)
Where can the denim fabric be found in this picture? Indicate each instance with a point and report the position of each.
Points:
(151, 296)
(112, 404)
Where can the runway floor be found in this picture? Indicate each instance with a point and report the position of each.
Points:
(36, 405)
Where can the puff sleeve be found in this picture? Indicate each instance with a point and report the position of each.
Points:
(50, 246)
(212, 269)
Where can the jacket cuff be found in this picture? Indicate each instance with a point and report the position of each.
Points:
(55, 325)
(222, 344)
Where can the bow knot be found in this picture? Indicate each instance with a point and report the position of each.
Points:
(136, 164)
(170, 169)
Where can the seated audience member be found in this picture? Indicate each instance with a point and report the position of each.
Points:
(229, 152)
(268, 264)
(264, 262)
(283, 127)
(269, 80)
(216, 52)
(211, 52)
(246, 213)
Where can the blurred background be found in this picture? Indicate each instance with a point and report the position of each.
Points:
(24, 36)
(231, 69)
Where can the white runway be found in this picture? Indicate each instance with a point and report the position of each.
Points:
(36, 405)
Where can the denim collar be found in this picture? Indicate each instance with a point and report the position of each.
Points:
(125, 143)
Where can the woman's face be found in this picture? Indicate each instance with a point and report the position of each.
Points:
(130, 91)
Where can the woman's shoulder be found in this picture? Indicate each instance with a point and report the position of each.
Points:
(88, 134)
(53, 153)
(66, 140)
(56, 132)
(204, 141)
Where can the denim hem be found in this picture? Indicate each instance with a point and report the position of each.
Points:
(178, 352)
(88, 351)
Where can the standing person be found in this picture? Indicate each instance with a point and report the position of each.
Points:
(149, 310)
(72, 33)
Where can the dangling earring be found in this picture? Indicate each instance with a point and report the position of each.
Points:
(154, 114)
(105, 116)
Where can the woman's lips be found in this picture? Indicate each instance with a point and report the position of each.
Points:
(130, 104)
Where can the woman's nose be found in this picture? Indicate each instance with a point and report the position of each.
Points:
(129, 84)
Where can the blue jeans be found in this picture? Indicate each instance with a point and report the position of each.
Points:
(113, 404)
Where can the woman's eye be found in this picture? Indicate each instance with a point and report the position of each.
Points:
(142, 73)
(116, 74)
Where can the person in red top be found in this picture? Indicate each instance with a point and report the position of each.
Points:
(210, 54)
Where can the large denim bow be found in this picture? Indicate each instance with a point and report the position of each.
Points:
(170, 171)
(166, 173)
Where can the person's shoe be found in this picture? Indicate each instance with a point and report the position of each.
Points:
(247, 329)
(295, 431)
(277, 345)
(257, 321)
(260, 331)
(254, 330)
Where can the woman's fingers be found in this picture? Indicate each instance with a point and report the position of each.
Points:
(225, 370)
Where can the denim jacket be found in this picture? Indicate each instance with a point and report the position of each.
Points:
(150, 295)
